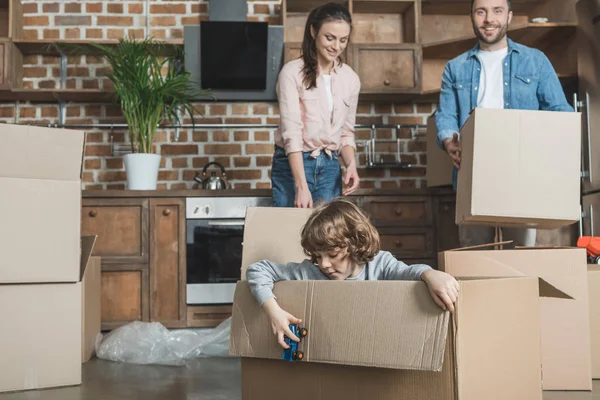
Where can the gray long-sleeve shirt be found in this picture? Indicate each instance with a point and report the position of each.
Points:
(262, 275)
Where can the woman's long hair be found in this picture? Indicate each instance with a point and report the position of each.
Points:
(316, 19)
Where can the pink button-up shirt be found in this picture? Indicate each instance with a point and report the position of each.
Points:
(306, 122)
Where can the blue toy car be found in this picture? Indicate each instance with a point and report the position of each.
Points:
(293, 354)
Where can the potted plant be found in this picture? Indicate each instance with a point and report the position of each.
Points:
(151, 87)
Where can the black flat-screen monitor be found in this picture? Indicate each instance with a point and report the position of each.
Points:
(233, 55)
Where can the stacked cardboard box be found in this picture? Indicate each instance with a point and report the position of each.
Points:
(49, 284)
(387, 340)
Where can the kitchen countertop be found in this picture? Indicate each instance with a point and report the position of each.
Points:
(252, 193)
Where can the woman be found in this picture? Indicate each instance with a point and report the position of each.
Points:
(318, 96)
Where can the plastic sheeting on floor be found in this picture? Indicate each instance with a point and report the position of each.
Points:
(152, 343)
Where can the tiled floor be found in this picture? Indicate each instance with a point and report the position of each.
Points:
(205, 379)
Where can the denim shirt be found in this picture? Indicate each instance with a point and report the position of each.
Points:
(530, 83)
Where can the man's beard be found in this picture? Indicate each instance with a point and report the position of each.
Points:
(492, 40)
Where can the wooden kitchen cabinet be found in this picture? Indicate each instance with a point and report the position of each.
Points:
(142, 245)
(11, 65)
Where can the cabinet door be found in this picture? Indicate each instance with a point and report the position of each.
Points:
(446, 229)
(124, 294)
(588, 60)
(121, 226)
(387, 68)
(167, 262)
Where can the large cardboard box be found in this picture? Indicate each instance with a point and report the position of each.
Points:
(519, 168)
(40, 170)
(565, 332)
(43, 340)
(439, 163)
(385, 340)
(594, 292)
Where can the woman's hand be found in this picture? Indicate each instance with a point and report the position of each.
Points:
(442, 287)
(280, 322)
(303, 198)
(351, 179)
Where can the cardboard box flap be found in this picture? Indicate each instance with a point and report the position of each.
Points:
(491, 264)
(266, 237)
(394, 324)
(482, 246)
(41, 153)
(87, 246)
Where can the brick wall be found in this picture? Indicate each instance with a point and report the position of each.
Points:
(246, 154)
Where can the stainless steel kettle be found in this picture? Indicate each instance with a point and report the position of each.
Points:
(212, 182)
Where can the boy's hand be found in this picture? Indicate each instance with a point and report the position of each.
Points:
(442, 287)
(280, 322)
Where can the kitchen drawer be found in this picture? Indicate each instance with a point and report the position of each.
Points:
(416, 242)
(121, 226)
(207, 316)
(412, 211)
(387, 68)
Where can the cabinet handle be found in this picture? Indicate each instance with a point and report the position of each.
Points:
(93, 213)
(167, 212)
(446, 208)
(386, 82)
(398, 243)
(398, 211)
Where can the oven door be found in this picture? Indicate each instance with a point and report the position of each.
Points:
(214, 259)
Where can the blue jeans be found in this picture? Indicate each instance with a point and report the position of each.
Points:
(323, 175)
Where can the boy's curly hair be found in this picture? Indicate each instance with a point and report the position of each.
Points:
(340, 224)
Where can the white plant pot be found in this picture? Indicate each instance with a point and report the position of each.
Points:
(142, 171)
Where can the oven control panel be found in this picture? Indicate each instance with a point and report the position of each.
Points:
(222, 207)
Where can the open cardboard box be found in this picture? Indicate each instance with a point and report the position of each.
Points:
(49, 329)
(385, 339)
(565, 323)
(519, 168)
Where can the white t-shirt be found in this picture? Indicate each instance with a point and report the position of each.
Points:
(327, 80)
(491, 83)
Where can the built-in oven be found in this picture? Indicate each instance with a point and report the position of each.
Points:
(214, 235)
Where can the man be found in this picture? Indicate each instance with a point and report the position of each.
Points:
(496, 73)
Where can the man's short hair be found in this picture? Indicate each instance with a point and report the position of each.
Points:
(507, 2)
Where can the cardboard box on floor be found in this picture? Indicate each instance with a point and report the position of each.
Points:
(519, 169)
(594, 294)
(439, 164)
(385, 339)
(40, 178)
(565, 332)
(49, 329)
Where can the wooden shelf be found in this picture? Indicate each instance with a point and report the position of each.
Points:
(382, 7)
(48, 46)
(56, 95)
(461, 7)
(539, 36)
(308, 5)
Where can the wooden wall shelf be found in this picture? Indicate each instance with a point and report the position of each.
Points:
(49, 46)
(540, 36)
(56, 95)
